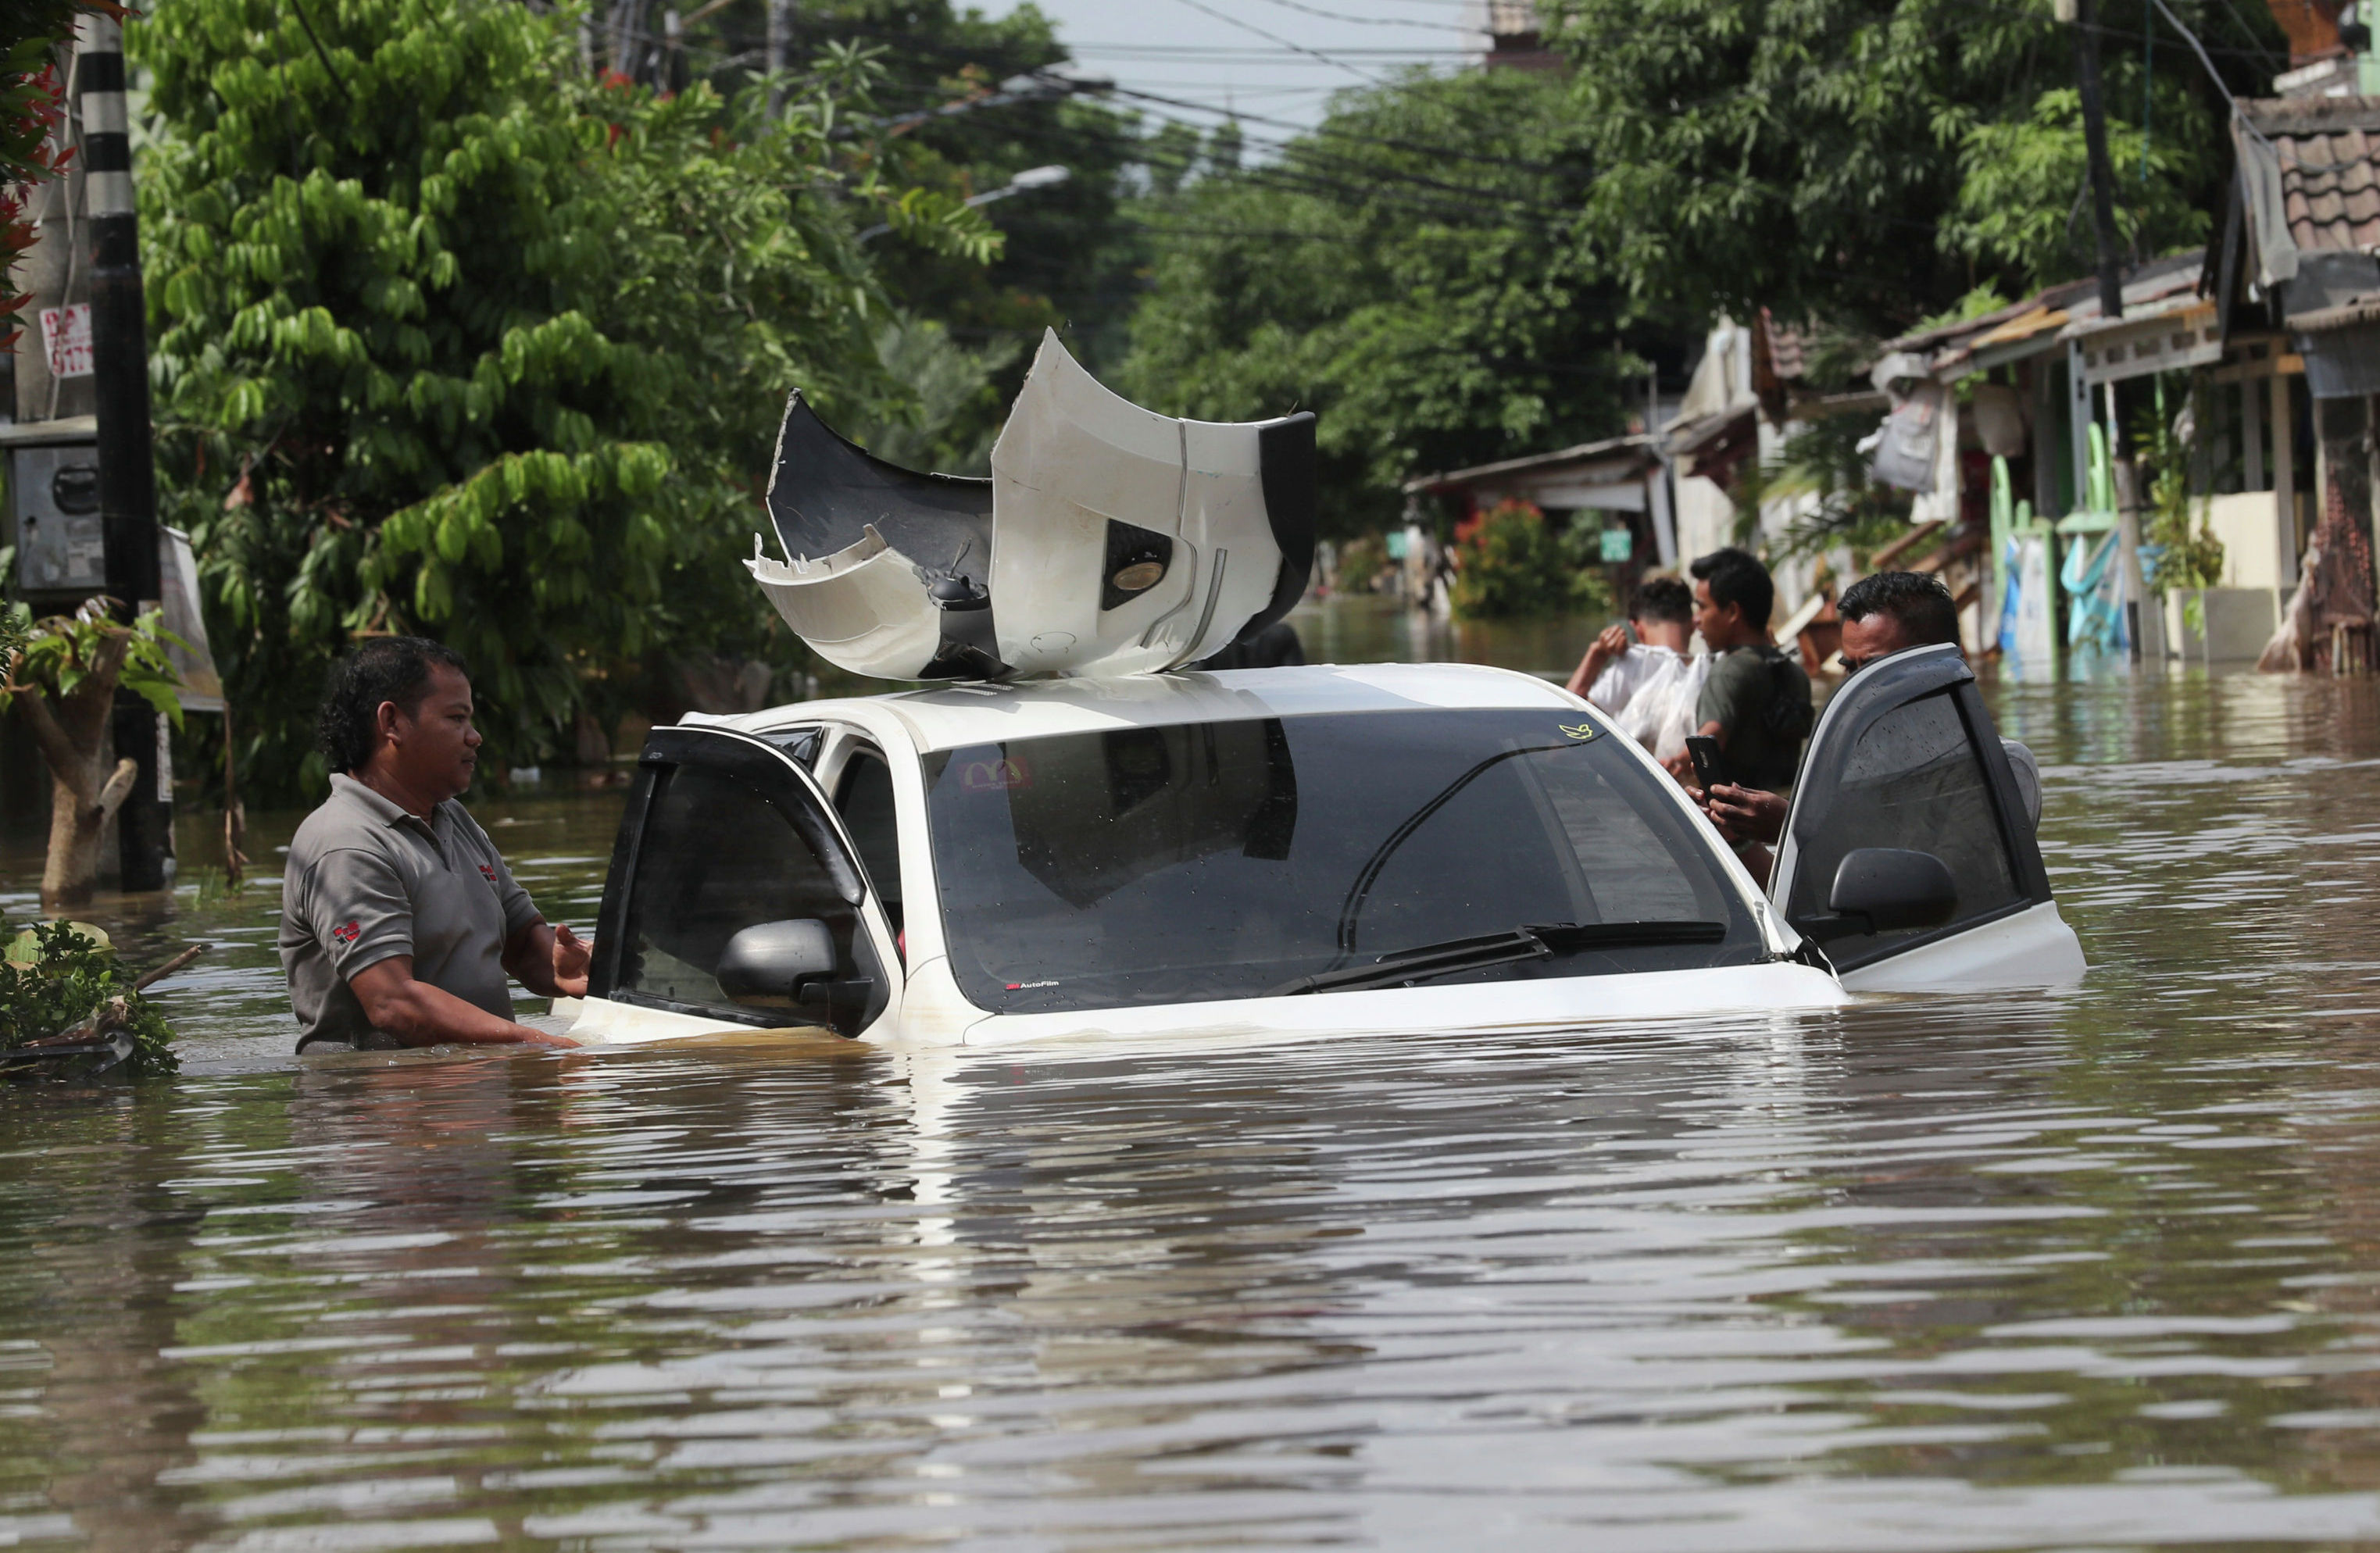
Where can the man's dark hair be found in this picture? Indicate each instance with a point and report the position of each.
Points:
(1662, 599)
(1736, 577)
(383, 669)
(1921, 604)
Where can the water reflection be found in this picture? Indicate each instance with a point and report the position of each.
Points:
(2088, 1269)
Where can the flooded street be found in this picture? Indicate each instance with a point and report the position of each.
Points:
(2097, 1269)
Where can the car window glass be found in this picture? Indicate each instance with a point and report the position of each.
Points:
(864, 799)
(1221, 861)
(716, 856)
(1913, 781)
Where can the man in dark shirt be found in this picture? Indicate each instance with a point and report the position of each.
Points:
(1883, 614)
(399, 921)
(1756, 701)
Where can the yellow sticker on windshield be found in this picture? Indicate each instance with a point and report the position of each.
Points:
(1583, 731)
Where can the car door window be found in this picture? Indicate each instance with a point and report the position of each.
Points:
(716, 855)
(864, 799)
(1913, 779)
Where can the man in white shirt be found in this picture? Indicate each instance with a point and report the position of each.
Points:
(1647, 686)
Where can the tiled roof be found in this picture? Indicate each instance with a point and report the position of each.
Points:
(2328, 148)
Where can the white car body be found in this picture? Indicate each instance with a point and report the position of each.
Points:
(2019, 942)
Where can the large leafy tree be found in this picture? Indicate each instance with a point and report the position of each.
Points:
(1873, 161)
(942, 120)
(1412, 271)
(452, 338)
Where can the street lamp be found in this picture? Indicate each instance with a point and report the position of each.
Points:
(1024, 182)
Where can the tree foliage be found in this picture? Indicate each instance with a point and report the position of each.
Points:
(1512, 562)
(942, 120)
(32, 102)
(1872, 160)
(54, 973)
(56, 658)
(452, 338)
(1410, 272)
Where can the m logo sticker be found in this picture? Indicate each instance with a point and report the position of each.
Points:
(1582, 731)
(993, 776)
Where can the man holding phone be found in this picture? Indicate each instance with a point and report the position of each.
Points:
(1883, 614)
(1754, 708)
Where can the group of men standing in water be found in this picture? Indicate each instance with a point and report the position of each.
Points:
(1748, 696)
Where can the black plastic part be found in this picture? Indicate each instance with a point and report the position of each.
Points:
(1129, 545)
(777, 961)
(826, 492)
(611, 919)
(1887, 890)
(1286, 459)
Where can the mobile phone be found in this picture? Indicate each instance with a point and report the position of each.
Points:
(1710, 766)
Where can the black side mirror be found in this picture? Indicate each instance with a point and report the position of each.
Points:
(774, 963)
(1888, 889)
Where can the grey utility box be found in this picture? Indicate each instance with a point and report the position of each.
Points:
(54, 507)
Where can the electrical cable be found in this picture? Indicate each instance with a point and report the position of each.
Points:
(1201, 7)
(1378, 21)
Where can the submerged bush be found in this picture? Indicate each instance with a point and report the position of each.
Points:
(55, 974)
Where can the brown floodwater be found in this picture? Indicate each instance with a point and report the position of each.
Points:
(2097, 1269)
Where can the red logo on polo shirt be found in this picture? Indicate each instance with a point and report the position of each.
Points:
(488, 872)
(347, 932)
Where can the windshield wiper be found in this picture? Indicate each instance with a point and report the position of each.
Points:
(1530, 942)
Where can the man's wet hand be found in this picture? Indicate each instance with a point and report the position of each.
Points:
(571, 959)
(1746, 814)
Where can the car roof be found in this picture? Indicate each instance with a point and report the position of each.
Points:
(952, 716)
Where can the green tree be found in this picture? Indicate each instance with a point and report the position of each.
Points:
(62, 674)
(452, 339)
(942, 120)
(1410, 272)
(1871, 161)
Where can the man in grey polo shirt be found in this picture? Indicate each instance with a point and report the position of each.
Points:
(399, 921)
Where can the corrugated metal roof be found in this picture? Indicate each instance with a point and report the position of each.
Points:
(2330, 187)
(1618, 451)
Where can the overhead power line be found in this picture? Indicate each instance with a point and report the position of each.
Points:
(1377, 21)
(1203, 8)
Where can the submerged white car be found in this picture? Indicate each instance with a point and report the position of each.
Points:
(1319, 849)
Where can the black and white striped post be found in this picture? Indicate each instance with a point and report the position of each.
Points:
(127, 472)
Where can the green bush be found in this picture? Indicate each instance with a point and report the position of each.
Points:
(1512, 564)
(56, 973)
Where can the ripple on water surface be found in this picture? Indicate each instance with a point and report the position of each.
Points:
(2087, 1271)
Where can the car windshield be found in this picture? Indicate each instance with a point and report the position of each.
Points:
(1217, 860)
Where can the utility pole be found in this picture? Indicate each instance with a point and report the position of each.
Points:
(127, 473)
(781, 49)
(2083, 14)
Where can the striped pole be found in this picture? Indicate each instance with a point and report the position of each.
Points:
(127, 471)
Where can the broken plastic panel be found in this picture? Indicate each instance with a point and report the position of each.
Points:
(1109, 539)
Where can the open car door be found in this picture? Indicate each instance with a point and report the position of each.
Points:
(1906, 761)
(735, 895)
